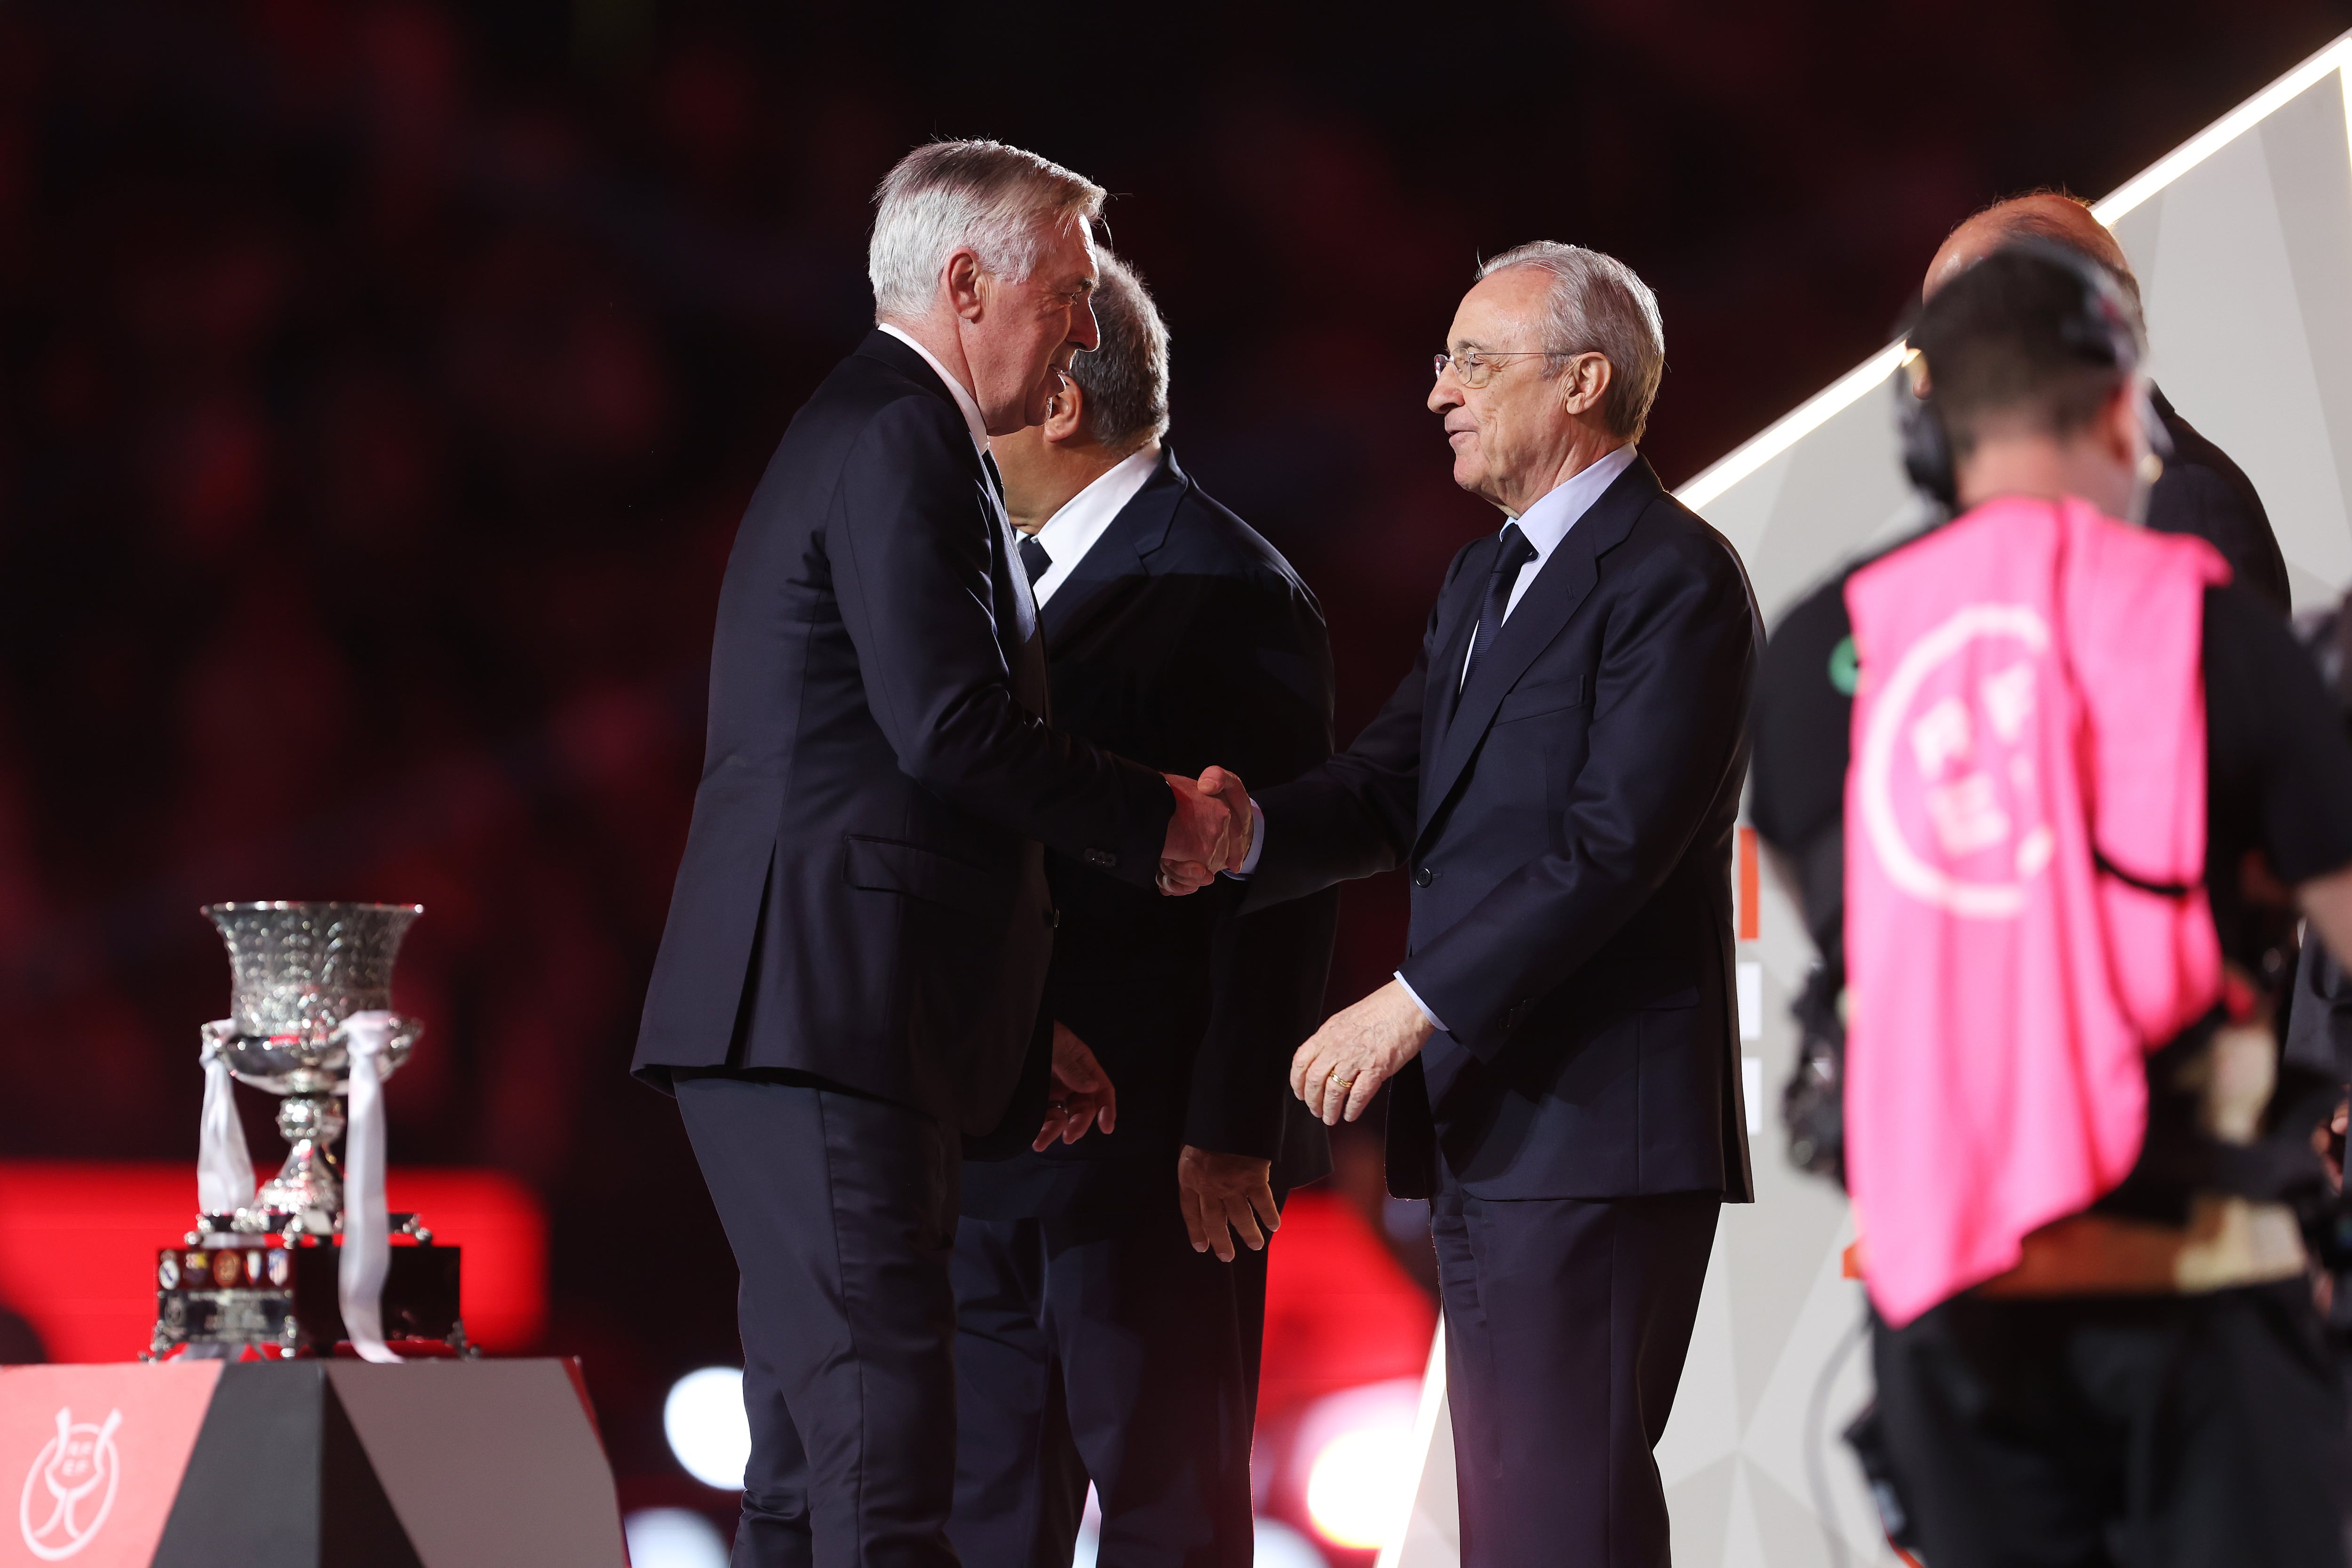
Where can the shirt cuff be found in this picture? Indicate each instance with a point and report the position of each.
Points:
(1248, 867)
(1435, 1022)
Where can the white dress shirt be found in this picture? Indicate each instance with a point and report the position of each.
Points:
(964, 400)
(1071, 531)
(1545, 524)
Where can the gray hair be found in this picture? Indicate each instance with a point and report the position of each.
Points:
(1125, 379)
(1598, 304)
(999, 200)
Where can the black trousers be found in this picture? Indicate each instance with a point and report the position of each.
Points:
(1105, 1349)
(840, 1210)
(2096, 1432)
(1566, 1324)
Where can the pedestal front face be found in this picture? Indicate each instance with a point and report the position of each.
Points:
(488, 1464)
(92, 1457)
(447, 1464)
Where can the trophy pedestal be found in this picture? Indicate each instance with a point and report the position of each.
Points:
(221, 1301)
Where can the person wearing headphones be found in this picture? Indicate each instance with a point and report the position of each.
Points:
(2201, 490)
(2052, 789)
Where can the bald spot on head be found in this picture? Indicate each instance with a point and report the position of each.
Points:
(2045, 214)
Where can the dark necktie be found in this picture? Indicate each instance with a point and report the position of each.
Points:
(1034, 557)
(1515, 552)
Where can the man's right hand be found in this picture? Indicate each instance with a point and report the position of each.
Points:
(1199, 837)
(1222, 1193)
(1209, 833)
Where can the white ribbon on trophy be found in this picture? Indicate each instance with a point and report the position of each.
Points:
(223, 1166)
(367, 1223)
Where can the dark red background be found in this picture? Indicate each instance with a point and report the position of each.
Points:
(380, 384)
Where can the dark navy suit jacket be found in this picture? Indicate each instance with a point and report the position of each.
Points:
(863, 897)
(1569, 825)
(1182, 639)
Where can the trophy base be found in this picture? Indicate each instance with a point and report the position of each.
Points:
(253, 1226)
(241, 1300)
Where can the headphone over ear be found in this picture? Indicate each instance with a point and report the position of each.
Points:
(2099, 330)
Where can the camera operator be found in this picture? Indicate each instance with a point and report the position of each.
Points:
(2200, 491)
(2095, 780)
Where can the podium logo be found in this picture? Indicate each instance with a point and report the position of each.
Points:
(70, 1491)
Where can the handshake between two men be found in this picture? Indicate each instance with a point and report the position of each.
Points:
(1343, 1064)
(882, 763)
(1209, 833)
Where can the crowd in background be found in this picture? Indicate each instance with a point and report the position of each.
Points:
(379, 386)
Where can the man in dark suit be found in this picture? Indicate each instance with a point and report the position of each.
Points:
(2200, 491)
(1110, 1325)
(1560, 772)
(859, 933)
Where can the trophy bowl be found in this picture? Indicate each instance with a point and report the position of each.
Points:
(300, 970)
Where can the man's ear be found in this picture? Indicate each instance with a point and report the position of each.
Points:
(962, 278)
(2118, 425)
(1586, 381)
(1065, 412)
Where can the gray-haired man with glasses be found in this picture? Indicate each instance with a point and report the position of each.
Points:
(1560, 772)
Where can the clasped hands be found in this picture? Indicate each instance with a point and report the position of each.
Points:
(1209, 833)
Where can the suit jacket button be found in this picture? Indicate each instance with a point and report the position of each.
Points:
(1054, 919)
(1424, 878)
(1102, 857)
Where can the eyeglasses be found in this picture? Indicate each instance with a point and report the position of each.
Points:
(1475, 368)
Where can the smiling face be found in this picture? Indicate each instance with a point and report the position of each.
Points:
(1020, 337)
(1513, 437)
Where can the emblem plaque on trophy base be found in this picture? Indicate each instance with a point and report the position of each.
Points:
(283, 1300)
(300, 1265)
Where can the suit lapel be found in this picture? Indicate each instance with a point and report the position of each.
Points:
(1086, 593)
(1006, 551)
(1555, 596)
(1140, 528)
(1019, 629)
(1457, 618)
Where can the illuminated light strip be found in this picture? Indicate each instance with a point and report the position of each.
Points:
(1847, 390)
(1791, 429)
(1431, 1411)
(2222, 133)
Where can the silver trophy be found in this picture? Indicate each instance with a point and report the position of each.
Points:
(298, 971)
(299, 1265)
